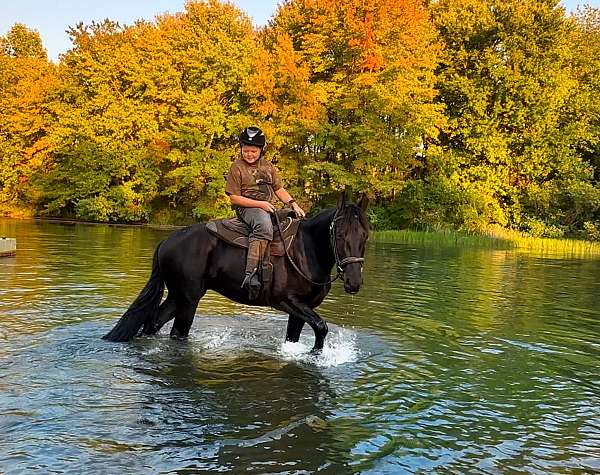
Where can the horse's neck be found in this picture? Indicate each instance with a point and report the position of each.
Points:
(316, 242)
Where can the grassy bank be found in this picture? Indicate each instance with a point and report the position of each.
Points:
(493, 239)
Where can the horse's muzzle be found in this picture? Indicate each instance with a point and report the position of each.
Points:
(352, 285)
(353, 277)
(351, 289)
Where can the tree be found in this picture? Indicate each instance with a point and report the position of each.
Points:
(21, 42)
(505, 81)
(360, 74)
(584, 110)
(26, 78)
(150, 109)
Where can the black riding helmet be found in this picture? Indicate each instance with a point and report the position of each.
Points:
(253, 136)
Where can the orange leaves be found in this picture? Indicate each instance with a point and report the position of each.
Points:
(365, 39)
(367, 66)
(261, 84)
(279, 85)
(365, 35)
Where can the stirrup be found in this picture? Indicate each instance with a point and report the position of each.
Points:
(252, 284)
(248, 278)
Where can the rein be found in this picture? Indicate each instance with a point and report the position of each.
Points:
(339, 264)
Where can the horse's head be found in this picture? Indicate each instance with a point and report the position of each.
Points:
(350, 231)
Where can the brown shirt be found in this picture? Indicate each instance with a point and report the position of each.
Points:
(258, 181)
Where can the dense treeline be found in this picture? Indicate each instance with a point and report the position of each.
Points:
(462, 113)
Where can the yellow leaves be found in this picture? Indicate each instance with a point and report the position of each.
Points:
(365, 80)
(27, 81)
(21, 42)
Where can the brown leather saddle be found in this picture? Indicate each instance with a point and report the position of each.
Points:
(235, 232)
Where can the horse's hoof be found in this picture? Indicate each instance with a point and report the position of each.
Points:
(316, 351)
(178, 337)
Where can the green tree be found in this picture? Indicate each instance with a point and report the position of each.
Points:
(505, 79)
(584, 111)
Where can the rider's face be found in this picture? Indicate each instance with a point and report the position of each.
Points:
(250, 153)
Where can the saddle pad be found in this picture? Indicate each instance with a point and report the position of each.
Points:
(235, 232)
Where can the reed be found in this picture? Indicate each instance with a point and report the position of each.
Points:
(493, 238)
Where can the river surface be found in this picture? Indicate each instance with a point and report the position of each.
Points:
(448, 361)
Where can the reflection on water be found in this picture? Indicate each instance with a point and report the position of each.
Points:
(448, 360)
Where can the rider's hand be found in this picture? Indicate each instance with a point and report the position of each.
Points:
(299, 211)
(266, 206)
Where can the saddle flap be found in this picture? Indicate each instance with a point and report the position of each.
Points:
(235, 232)
(236, 225)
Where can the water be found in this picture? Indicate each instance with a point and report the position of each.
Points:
(448, 361)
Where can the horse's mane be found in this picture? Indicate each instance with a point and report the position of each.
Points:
(352, 209)
(347, 213)
(321, 217)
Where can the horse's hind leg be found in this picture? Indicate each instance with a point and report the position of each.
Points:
(184, 316)
(294, 328)
(165, 313)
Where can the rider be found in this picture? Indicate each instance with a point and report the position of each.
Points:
(252, 184)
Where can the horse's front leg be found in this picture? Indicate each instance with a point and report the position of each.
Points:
(308, 315)
(294, 328)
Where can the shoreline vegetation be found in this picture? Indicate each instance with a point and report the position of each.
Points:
(493, 238)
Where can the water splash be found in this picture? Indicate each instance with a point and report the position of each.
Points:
(340, 348)
(213, 335)
(214, 340)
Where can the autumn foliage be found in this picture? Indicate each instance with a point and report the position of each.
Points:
(455, 112)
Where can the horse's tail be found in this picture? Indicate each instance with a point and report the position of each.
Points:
(143, 310)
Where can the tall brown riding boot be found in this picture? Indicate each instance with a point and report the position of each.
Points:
(252, 279)
(267, 267)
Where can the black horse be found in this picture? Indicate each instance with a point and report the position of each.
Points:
(192, 261)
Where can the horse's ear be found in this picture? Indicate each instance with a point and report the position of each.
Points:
(341, 200)
(363, 202)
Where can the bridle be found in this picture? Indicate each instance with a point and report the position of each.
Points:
(339, 264)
